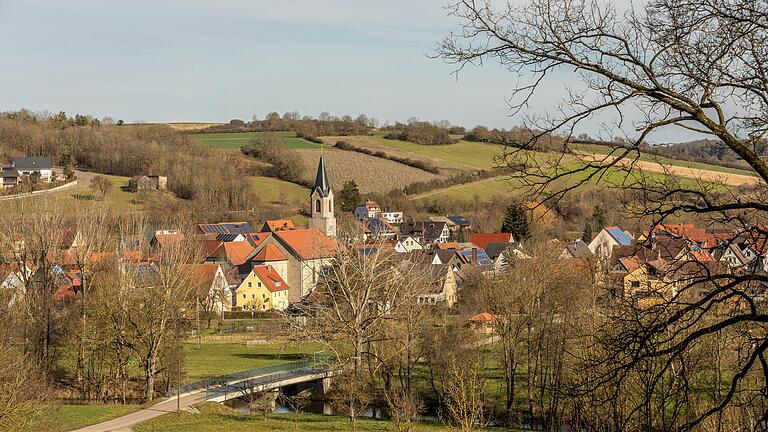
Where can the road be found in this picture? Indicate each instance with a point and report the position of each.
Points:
(126, 422)
(83, 181)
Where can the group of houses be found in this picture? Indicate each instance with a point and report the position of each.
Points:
(24, 167)
(273, 265)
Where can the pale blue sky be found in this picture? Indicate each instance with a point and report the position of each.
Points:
(205, 60)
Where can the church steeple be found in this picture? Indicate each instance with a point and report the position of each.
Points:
(321, 180)
(321, 202)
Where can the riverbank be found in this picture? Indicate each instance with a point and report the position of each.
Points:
(218, 418)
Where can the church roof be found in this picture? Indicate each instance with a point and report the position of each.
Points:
(321, 180)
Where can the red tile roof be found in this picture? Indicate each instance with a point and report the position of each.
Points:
(166, 239)
(482, 317)
(203, 273)
(278, 225)
(269, 253)
(237, 252)
(270, 278)
(308, 243)
(210, 247)
(483, 240)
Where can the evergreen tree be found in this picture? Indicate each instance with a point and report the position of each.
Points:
(599, 217)
(349, 197)
(587, 234)
(516, 222)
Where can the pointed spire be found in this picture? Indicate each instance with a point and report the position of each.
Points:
(321, 179)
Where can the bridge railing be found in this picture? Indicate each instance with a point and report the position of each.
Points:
(240, 376)
(245, 385)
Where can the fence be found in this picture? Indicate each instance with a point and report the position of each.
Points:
(307, 369)
(318, 358)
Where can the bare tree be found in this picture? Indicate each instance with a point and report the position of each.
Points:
(696, 66)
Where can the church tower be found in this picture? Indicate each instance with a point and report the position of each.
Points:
(321, 203)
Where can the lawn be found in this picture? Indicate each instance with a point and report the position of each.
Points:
(237, 140)
(69, 417)
(227, 354)
(71, 201)
(217, 418)
(274, 191)
(472, 154)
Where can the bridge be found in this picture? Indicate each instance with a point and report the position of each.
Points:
(221, 388)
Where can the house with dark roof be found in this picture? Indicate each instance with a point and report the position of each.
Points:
(224, 228)
(427, 232)
(28, 165)
(575, 250)
(10, 177)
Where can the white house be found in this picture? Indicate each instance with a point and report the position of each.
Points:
(28, 165)
(367, 210)
(393, 217)
(407, 244)
(603, 243)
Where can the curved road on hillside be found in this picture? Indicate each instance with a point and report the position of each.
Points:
(83, 181)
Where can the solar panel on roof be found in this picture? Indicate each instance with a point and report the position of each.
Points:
(620, 236)
(482, 257)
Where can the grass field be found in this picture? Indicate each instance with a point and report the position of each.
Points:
(69, 417)
(237, 140)
(224, 355)
(275, 191)
(217, 418)
(471, 154)
(371, 174)
(72, 201)
(602, 150)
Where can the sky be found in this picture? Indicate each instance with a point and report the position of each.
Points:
(212, 61)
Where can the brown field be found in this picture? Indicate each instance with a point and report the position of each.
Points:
(729, 179)
(371, 174)
(446, 167)
(189, 126)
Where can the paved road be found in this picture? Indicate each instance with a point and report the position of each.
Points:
(83, 181)
(126, 422)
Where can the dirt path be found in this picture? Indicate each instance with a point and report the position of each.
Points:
(682, 171)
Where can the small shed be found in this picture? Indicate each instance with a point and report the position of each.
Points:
(144, 182)
(482, 322)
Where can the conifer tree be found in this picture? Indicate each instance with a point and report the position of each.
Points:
(516, 222)
(349, 197)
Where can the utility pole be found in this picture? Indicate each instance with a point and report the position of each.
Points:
(178, 384)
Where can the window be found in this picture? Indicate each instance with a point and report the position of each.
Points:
(263, 296)
(243, 295)
(253, 296)
(259, 284)
(635, 284)
(249, 285)
(317, 206)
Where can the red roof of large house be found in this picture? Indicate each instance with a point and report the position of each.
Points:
(237, 252)
(269, 252)
(483, 317)
(203, 273)
(483, 239)
(277, 225)
(308, 243)
(271, 278)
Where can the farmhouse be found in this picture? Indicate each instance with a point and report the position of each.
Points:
(143, 182)
(26, 166)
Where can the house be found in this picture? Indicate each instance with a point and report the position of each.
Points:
(10, 177)
(377, 229)
(26, 166)
(482, 322)
(407, 244)
(369, 209)
(164, 239)
(277, 225)
(427, 232)
(603, 243)
(232, 255)
(306, 252)
(392, 217)
(577, 249)
(321, 203)
(443, 287)
(224, 228)
(461, 222)
(144, 182)
(262, 290)
(732, 256)
(211, 277)
(12, 281)
(226, 238)
(482, 240)
(499, 253)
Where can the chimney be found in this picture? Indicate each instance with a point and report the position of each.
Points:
(474, 255)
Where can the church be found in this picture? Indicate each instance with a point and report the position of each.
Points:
(301, 255)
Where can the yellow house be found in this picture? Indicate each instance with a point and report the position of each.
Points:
(262, 290)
